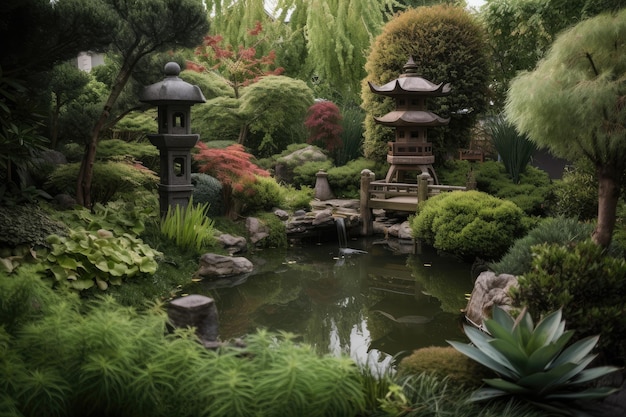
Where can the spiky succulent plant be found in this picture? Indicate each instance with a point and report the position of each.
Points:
(533, 361)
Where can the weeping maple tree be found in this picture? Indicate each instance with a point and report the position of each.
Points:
(232, 166)
(324, 124)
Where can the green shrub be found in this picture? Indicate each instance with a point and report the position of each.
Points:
(189, 228)
(86, 258)
(110, 180)
(208, 189)
(533, 194)
(576, 194)
(444, 362)
(298, 199)
(345, 181)
(588, 284)
(559, 230)
(468, 224)
(277, 235)
(136, 124)
(260, 195)
(116, 149)
(304, 175)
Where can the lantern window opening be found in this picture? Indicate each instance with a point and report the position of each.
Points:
(179, 166)
(178, 119)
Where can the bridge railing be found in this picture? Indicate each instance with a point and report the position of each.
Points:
(395, 196)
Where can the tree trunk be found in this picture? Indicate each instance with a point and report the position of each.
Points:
(85, 174)
(608, 196)
(243, 134)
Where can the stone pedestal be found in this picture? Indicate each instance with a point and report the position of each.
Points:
(199, 312)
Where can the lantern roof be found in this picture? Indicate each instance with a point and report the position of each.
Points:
(410, 83)
(411, 118)
(172, 90)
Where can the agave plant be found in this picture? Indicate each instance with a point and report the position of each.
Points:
(533, 362)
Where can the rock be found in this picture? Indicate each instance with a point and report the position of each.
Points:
(400, 230)
(285, 164)
(281, 214)
(64, 201)
(489, 290)
(232, 244)
(256, 230)
(323, 217)
(218, 266)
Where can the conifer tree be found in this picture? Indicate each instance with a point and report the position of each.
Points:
(143, 27)
(573, 104)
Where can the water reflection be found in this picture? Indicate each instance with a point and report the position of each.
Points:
(367, 305)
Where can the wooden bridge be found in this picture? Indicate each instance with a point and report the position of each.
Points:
(395, 196)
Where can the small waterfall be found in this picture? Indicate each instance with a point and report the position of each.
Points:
(341, 233)
(343, 239)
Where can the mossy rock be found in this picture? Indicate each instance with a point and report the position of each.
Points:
(445, 361)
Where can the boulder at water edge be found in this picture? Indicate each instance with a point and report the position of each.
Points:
(214, 266)
(489, 290)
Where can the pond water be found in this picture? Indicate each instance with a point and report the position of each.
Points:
(371, 306)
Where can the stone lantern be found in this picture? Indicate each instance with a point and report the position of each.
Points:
(410, 152)
(174, 98)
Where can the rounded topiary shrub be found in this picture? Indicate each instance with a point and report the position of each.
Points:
(468, 224)
(448, 44)
(208, 189)
(445, 361)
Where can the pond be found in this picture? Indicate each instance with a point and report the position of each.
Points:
(371, 306)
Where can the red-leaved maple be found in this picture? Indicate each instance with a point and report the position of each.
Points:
(232, 166)
(324, 124)
(239, 68)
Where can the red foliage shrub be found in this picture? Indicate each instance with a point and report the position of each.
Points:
(324, 124)
(231, 166)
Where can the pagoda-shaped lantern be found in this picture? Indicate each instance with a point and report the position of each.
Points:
(174, 98)
(410, 153)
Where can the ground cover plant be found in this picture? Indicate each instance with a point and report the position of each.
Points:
(66, 357)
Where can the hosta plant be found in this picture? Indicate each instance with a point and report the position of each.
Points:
(533, 361)
(86, 258)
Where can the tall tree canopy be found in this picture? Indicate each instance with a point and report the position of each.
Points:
(322, 42)
(448, 45)
(574, 104)
(521, 31)
(36, 34)
(142, 28)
